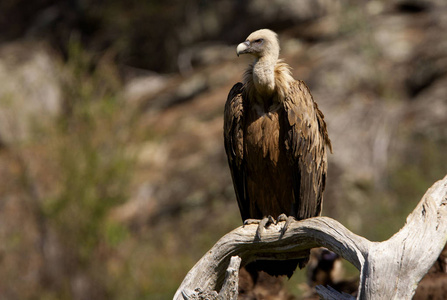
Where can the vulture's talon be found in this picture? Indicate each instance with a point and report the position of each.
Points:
(288, 220)
(281, 218)
(265, 222)
(262, 224)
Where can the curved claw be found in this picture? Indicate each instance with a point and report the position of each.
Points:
(265, 222)
(288, 220)
(281, 218)
(262, 223)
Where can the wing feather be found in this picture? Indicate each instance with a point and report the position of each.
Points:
(306, 142)
(234, 145)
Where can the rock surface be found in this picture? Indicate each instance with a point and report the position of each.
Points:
(30, 90)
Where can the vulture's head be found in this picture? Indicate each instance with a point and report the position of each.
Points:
(261, 43)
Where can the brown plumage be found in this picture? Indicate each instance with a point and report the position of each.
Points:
(275, 140)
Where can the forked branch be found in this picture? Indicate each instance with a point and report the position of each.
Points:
(405, 257)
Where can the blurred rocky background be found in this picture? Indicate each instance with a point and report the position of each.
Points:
(113, 176)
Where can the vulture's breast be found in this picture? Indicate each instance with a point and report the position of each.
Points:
(269, 186)
(262, 136)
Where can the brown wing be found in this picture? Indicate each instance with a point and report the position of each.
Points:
(306, 140)
(234, 145)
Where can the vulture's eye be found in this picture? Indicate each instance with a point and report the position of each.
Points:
(258, 41)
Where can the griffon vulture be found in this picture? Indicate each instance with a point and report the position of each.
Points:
(275, 140)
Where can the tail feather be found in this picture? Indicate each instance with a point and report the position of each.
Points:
(276, 267)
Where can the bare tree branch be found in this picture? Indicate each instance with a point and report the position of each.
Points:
(390, 269)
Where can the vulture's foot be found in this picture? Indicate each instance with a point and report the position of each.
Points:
(262, 223)
(287, 219)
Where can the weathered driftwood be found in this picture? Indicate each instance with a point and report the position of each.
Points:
(388, 270)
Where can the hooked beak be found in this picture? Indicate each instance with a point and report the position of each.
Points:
(243, 48)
